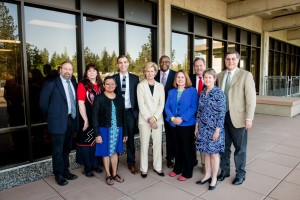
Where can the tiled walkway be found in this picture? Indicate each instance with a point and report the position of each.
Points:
(273, 172)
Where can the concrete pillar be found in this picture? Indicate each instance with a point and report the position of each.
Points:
(165, 33)
(265, 38)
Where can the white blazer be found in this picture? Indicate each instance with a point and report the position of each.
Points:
(150, 105)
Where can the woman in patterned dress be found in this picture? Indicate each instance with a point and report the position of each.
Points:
(210, 127)
(87, 90)
(108, 121)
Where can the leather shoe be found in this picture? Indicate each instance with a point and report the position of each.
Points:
(159, 173)
(144, 175)
(60, 180)
(222, 176)
(238, 181)
(170, 164)
(69, 176)
(203, 182)
(88, 173)
(133, 169)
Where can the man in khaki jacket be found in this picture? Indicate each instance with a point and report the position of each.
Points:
(239, 89)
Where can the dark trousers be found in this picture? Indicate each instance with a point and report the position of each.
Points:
(130, 123)
(61, 148)
(238, 137)
(184, 150)
(170, 148)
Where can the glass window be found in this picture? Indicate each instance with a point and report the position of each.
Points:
(282, 64)
(231, 34)
(139, 47)
(180, 20)
(271, 63)
(254, 39)
(254, 66)
(244, 64)
(244, 37)
(180, 52)
(201, 49)
(50, 40)
(231, 46)
(105, 8)
(201, 26)
(276, 71)
(218, 56)
(70, 4)
(141, 11)
(97, 48)
(11, 72)
(218, 30)
(14, 147)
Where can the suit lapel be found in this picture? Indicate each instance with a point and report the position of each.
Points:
(61, 88)
(235, 77)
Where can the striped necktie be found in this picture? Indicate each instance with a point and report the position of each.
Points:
(163, 79)
(123, 86)
(227, 87)
(72, 100)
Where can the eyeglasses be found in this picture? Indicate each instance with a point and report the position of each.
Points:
(232, 59)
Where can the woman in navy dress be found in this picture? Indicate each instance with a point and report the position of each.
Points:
(108, 121)
(210, 127)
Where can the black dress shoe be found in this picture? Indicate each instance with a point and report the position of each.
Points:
(203, 182)
(143, 175)
(88, 173)
(60, 180)
(238, 181)
(68, 175)
(212, 187)
(159, 173)
(170, 164)
(222, 176)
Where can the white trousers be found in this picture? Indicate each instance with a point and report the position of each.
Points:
(156, 134)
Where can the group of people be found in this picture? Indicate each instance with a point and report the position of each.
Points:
(194, 112)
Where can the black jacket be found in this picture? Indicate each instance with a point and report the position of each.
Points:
(102, 108)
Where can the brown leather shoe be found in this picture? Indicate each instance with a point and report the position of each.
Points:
(133, 169)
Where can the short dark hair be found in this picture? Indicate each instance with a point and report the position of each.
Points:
(121, 56)
(164, 56)
(233, 51)
(200, 58)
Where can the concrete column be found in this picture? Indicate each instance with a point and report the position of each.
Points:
(165, 33)
(264, 60)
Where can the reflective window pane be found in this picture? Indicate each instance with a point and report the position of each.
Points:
(14, 147)
(180, 20)
(201, 49)
(180, 52)
(218, 56)
(231, 34)
(97, 48)
(106, 8)
(139, 47)
(141, 11)
(11, 72)
(50, 40)
(231, 46)
(244, 58)
(218, 30)
(201, 26)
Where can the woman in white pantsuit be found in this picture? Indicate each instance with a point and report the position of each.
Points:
(151, 100)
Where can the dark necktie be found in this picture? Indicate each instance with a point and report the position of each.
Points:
(163, 79)
(227, 87)
(123, 86)
(72, 100)
(200, 85)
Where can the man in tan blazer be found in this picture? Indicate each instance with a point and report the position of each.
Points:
(239, 88)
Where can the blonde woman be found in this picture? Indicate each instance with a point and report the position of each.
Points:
(151, 101)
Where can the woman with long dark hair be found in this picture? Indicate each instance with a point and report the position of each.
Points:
(88, 88)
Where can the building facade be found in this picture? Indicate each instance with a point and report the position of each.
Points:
(37, 35)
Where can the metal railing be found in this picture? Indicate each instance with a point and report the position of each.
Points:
(282, 86)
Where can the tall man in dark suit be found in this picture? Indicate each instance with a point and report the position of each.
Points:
(166, 76)
(198, 83)
(58, 104)
(126, 86)
(239, 88)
